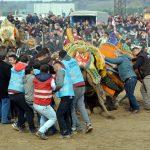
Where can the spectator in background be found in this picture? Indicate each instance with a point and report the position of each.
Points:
(35, 18)
(17, 23)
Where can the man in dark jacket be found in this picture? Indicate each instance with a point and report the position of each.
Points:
(5, 71)
(143, 65)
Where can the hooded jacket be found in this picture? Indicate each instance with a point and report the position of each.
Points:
(125, 67)
(43, 89)
(16, 79)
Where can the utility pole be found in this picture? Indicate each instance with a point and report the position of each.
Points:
(120, 7)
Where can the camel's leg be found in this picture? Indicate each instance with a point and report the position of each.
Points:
(100, 93)
(99, 90)
(120, 100)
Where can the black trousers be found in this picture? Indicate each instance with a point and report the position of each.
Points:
(23, 108)
(13, 110)
(64, 115)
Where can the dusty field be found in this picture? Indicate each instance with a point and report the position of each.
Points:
(127, 132)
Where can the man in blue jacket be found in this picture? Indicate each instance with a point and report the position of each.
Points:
(73, 68)
(128, 76)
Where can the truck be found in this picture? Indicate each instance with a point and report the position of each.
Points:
(91, 16)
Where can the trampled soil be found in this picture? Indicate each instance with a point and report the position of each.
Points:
(127, 132)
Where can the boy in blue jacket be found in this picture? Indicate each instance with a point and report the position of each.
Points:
(16, 94)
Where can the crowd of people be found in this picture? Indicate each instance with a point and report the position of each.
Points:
(50, 31)
(31, 81)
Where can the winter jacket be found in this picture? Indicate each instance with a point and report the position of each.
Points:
(5, 71)
(125, 67)
(143, 63)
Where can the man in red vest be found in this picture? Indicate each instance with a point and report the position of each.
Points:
(43, 86)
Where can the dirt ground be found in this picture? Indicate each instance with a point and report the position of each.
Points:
(127, 132)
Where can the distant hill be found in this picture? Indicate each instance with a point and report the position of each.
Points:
(106, 5)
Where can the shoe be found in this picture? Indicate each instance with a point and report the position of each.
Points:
(15, 127)
(80, 129)
(147, 108)
(74, 131)
(41, 135)
(89, 128)
(130, 109)
(135, 111)
(66, 136)
(33, 131)
(51, 132)
(20, 129)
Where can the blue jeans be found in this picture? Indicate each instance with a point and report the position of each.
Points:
(5, 110)
(48, 117)
(129, 88)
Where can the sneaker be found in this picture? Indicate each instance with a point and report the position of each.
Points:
(33, 131)
(74, 131)
(41, 135)
(135, 111)
(15, 127)
(147, 108)
(89, 128)
(51, 132)
(20, 129)
(80, 129)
